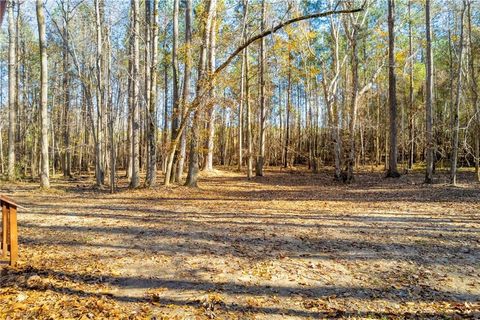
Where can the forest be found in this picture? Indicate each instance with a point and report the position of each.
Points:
(241, 159)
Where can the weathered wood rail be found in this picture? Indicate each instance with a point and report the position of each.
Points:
(9, 229)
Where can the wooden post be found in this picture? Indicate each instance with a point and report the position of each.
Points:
(4, 229)
(9, 229)
(13, 236)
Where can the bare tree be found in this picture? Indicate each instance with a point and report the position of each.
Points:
(135, 180)
(456, 120)
(67, 155)
(11, 92)
(44, 171)
(242, 89)
(262, 115)
(152, 114)
(186, 86)
(392, 93)
(203, 86)
(204, 83)
(211, 109)
(429, 95)
(176, 116)
(352, 38)
(330, 94)
(474, 93)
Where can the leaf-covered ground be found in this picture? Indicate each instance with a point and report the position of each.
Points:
(291, 245)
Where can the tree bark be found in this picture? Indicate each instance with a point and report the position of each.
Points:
(186, 87)
(176, 116)
(44, 171)
(429, 96)
(211, 108)
(67, 155)
(262, 116)
(135, 180)
(152, 115)
(456, 120)
(146, 87)
(353, 102)
(203, 85)
(249, 118)
(392, 93)
(288, 109)
(474, 90)
(11, 92)
(99, 150)
(410, 89)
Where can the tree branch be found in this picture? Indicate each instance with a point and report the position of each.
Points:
(275, 29)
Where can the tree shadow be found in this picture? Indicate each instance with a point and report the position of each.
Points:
(67, 283)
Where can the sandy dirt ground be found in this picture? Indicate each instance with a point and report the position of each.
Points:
(290, 245)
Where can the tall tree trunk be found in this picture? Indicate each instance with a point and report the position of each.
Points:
(44, 171)
(176, 116)
(249, 119)
(99, 150)
(186, 87)
(261, 134)
(330, 93)
(410, 89)
(353, 102)
(288, 109)
(11, 92)
(146, 88)
(456, 120)
(67, 155)
(211, 104)
(135, 180)
(242, 89)
(429, 95)
(392, 93)
(474, 89)
(130, 103)
(202, 89)
(110, 115)
(165, 110)
(152, 116)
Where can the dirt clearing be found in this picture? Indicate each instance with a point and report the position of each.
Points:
(290, 245)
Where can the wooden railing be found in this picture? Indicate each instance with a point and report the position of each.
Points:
(9, 229)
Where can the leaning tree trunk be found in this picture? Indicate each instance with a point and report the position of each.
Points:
(44, 174)
(204, 83)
